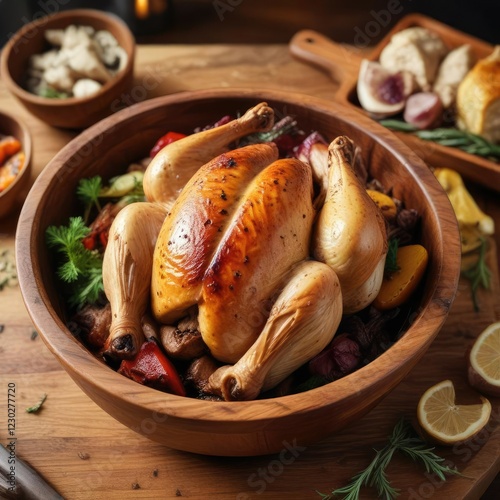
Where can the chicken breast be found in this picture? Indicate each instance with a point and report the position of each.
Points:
(195, 225)
(269, 233)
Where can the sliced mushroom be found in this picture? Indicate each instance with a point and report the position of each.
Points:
(182, 344)
(91, 325)
(199, 371)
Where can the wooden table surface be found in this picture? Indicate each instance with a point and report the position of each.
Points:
(85, 454)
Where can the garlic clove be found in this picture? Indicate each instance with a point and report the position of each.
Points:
(302, 322)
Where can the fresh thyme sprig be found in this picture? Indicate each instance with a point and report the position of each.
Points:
(405, 440)
(479, 274)
(466, 141)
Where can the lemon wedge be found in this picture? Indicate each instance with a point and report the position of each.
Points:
(449, 423)
(484, 361)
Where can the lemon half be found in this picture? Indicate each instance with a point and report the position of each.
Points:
(449, 423)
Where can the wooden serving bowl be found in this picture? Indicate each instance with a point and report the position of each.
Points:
(12, 196)
(232, 428)
(71, 113)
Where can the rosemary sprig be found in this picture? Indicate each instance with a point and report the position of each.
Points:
(466, 141)
(479, 274)
(285, 126)
(404, 439)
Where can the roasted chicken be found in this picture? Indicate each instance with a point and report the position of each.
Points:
(224, 247)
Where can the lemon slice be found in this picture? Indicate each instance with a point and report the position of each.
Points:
(484, 361)
(446, 422)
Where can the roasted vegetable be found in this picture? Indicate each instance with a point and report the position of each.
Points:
(151, 367)
(473, 223)
(397, 288)
(384, 202)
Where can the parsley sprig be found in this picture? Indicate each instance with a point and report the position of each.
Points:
(405, 440)
(88, 192)
(80, 267)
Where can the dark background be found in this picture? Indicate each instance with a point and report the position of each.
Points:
(267, 21)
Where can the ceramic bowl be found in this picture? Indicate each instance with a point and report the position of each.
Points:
(233, 428)
(13, 195)
(71, 113)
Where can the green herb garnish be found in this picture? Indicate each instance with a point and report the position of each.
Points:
(51, 93)
(405, 440)
(37, 406)
(79, 266)
(391, 265)
(88, 192)
(452, 137)
(479, 274)
(286, 125)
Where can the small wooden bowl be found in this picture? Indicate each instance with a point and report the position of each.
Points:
(12, 196)
(72, 113)
(232, 428)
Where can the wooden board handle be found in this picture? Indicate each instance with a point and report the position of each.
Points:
(341, 62)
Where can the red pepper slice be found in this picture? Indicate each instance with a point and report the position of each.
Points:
(168, 138)
(151, 367)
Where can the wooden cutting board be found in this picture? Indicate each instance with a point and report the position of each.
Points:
(85, 454)
(342, 63)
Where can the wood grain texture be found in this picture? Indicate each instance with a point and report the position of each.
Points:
(342, 63)
(113, 458)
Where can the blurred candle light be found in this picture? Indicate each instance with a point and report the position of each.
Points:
(142, 9)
